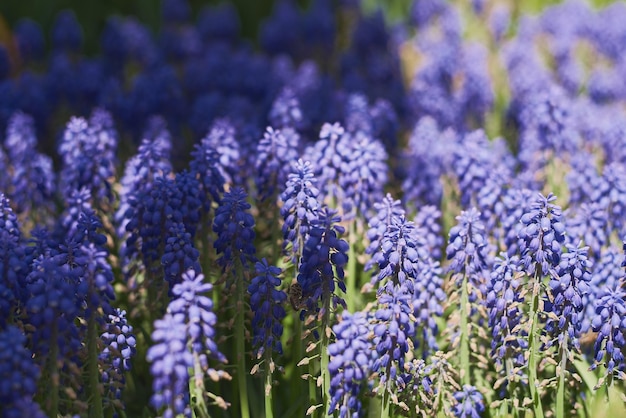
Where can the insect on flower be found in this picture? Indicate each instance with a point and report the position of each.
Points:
(295, 296)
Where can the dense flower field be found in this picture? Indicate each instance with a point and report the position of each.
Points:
(345, 219)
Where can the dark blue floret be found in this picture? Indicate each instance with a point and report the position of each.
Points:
(267, 305)
(30, 40)
(470, 403)
(66, 32)
(324, 257)
(300, 207)
(274, 152)
(569, 283)
(234, 227)
(120, 346)
(18, 375)
(542, 236)
(350, 363)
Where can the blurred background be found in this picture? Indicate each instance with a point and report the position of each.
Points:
(92, 14)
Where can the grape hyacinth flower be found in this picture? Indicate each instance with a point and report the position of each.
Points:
(610, 324)
(326, 158)
(322, 267)
(424, 163)
(611, 194)
(152, 161)
(120, 346)
(18, 375)
(428, 220)
(273, 154)
(385, 214)
(393, 326)
(171, 361)
(606, 274)
(14, 263)
(30, 39)
(299, 210)
(541, 236)
(190, 300)
(583, 180)
(88, 153)
(350, 363)
(205, 166)
(505, 303)
(179, 254)
(286, 112)
(591, 225)
(32, 179)
(399, 254)
(568, 285)
(363, 174)
(184, 339)
(470, 403)
(66, 32)
(473, 163)
(428, 304)
(234, 227)
(515, 203)
(150, 216)
(266, 303)
(221, 137)
(468, 250)
(188, 200)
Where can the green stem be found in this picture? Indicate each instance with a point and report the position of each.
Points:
(54, 373)
(240, 341)
(464, 343)
(312, 386)
(269, 410)
(386, 407)
(196, 388)
(95, 403)
(296, 381)
(277, 235)
(560, 395)
(532, 346)
(324, 357)
(351, 279)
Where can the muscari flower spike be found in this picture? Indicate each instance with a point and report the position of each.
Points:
(541, 236)
(18, 376)
(393, 326)
(322, 267)
(568, 284)
(300, 206)
(505, 303)
(274, 152)
(120, 346)
(469, 251)
(266, 303)
(234, 227)
(350, 363)
(609, 322)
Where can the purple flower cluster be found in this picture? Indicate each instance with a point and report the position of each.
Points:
(18, 375)
(234, 228)
(542, 236)
(183, 340)
(350, 363)
(266, 302)
(321, 270)
(300, 207)
(468, 251)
